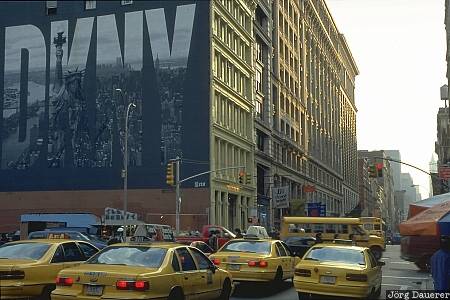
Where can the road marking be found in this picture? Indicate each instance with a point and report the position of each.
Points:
(402, 287)
(400, 262)
(413, 278)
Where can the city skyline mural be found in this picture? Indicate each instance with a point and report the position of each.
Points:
(70, 115)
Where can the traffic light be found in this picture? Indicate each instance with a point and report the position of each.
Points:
(379, 168)
(170, 174)
(372, 171)
(241, 177)
(248, 179)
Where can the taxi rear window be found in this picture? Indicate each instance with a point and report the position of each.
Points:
(32, 251)
(349, 256)
(259, 247)
(130, 256)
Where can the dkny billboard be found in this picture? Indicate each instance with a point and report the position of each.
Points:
(66, 81)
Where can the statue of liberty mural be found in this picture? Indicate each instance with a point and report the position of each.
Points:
(70, 144)
(69, 121)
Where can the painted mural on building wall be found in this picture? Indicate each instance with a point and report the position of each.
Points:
(75, 117)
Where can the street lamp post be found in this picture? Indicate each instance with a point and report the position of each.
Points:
(125, 172)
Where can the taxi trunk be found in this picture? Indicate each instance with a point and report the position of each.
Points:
(110, 281)
(345, 280)
(13, 279)
(245, 266)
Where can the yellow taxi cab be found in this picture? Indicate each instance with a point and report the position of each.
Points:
(28, 268)
(338, 270)
(145, 270)
(256, 259)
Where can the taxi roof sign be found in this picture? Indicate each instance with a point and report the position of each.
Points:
(58, 236)
(140, 239)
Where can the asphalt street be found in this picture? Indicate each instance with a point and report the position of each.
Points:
(397, 275)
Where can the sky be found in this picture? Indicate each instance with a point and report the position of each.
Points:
(399, 47)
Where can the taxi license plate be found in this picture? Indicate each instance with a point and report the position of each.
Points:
(234, 267)
(328, 279)
(94, 290)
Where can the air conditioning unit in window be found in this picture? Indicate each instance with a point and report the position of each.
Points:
(52, 4)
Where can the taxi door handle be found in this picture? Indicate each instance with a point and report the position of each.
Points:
(186, 277)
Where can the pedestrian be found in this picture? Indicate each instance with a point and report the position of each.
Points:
(319, 238)
(4, 239)
(352, 237)
(440, 266)
(213, 240)
(238, 233)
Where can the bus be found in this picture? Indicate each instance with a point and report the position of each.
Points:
(374, 225)
(331, 229)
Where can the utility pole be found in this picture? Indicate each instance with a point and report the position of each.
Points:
(125, 168)
(177, 196)
(177, 182)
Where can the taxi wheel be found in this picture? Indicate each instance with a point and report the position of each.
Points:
(226, 290)
(378, 293)
(176, 294)
(375, 293)
(46, 293)
(278, 281)
(303, 296)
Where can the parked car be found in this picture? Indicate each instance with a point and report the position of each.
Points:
(224, 235)
(396, 239)
(74, 235)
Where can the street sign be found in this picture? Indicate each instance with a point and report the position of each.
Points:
(280, 197)
(316, 209)
(117, 214)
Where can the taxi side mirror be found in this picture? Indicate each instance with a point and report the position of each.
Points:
(213, 268)
(226, 234)
(381, 263)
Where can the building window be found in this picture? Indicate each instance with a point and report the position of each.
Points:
(51, 7)
(90, 4)
(260, 141)
(259, 51)
(126, 2)
(259, 81)
(258, 108)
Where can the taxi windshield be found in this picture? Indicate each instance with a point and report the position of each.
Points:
(340, 255)
(130, 256)
(32, 251)
(259, 247)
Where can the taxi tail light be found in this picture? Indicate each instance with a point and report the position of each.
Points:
(11, 275)
(141, 285)
(64, 281)
(302, 272)
(261, 263)
(356, 277)
(216, 261)
(252, 263)
(124, 285)
(132, 285)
